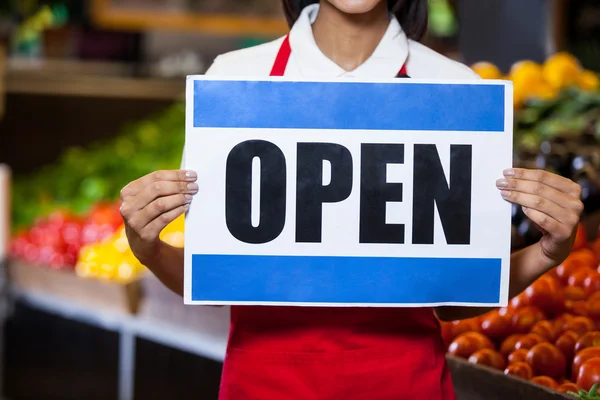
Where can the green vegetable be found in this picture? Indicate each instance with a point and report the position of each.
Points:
(84, 176)
(591, 395)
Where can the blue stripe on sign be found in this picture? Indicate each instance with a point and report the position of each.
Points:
(373, 280)
(343, 105)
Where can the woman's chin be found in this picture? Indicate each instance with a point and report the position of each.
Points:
(355, 6)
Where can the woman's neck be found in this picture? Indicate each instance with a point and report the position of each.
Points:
(349, 39)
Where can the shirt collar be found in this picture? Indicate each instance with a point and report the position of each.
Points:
(385, 62)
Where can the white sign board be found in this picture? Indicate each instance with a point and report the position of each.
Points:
(348, 193)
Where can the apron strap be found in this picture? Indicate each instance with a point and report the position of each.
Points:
(283, 57)
(403, 71)
(281, 61)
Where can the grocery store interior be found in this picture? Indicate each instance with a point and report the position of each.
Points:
(92, 97)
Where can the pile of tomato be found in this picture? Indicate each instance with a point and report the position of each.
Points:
(55, 241)
(549, 334)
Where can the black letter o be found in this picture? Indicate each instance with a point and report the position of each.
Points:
(238, 191)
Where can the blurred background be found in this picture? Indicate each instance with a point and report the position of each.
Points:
(91, 98)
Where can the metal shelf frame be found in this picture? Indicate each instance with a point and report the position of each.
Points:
(129, 327)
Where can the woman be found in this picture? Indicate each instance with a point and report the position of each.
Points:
(332, 353)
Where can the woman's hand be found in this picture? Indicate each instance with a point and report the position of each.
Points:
(150, 203)
(551, 202)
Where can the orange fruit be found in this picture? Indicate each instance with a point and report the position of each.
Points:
(487, 70)
(562, 70)
(526, 72)
(588, 80)
(528, 78)
(542, 91)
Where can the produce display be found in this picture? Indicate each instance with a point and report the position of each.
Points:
(549, 334)
(542, 82)
(84, 177)
(67, 216)
(113, 259)
(55, 241)
(557, 127)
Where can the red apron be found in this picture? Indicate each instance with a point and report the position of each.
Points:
(296, 353)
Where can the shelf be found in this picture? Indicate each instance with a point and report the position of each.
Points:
(107, 16)
(199, 343)
(87, 80)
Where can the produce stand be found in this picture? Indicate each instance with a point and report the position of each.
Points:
(473, 382)
(125, 321)
(207, 342)
(4, 237)
(116, 297)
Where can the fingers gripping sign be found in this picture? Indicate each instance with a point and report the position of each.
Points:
(552, 202)
(152, 202)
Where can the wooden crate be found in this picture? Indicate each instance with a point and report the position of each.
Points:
(473, 382)
(66, 285)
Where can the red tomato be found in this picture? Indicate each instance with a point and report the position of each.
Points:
(545, 381)
(106, 214)
(518, 302)
(547, 295)
(525, 318)
(568, 387)
(528, 341)
(593, 309)
(581, 241)
(587, 257)
(488, 357)
(552, 280)
(18, 245)
(468, 343)
(580, 276)
(595, 247)
(591, 284)
(579, 308)
(568, 268)
(589, 374)
(496, 326)
(508, 345)
(581, 357)
(552, 273)
(517, 356)
(595, 296)
(506, 311)
(546, 359)
(589, 339)
(560, 321)
(519, 369)
(466, 325)
(545, 329)
(580, 325)
(574, 293)
(566, 344)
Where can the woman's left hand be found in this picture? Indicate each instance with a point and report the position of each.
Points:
(551, 202)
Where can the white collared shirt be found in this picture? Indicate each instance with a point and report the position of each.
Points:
(307, 60)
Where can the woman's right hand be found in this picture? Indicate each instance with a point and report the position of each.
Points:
(152, 202)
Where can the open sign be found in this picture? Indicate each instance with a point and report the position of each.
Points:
(347, 193)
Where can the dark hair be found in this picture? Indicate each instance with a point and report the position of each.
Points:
(413, 15)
